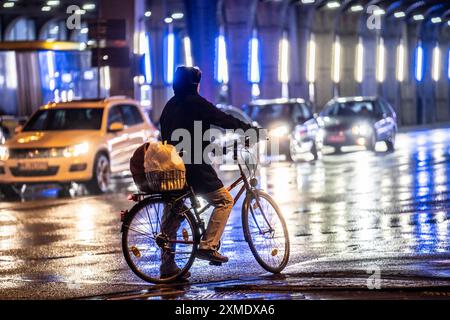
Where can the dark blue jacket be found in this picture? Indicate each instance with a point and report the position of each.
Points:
(180, 112)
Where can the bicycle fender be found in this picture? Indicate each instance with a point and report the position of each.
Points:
(138, 206)
(246, 208)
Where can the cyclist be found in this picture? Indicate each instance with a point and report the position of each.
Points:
(180, 112)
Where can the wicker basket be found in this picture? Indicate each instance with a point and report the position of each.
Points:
(160, 181)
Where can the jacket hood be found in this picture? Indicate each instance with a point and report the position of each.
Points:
(187, 90)
(186, 80)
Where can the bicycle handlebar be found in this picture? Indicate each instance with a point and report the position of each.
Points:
(235, 145)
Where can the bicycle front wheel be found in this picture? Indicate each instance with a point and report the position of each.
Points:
(158, 249)
(265, 231)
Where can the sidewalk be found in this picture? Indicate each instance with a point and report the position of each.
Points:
(424, 127)
(400, 277)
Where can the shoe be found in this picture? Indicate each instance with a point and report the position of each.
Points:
(211, 255)
(171, 273)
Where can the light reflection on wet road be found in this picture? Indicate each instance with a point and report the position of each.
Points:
(346, 214)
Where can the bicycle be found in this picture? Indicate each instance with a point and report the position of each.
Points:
(143, 241)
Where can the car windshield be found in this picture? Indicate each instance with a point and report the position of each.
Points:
(265, 114)
(351, 109)
(65, 119)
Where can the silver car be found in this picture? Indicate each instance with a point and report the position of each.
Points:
(291, 123)
(361, 121)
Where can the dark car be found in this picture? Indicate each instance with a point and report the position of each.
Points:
(8, 125)
(289, 121)
(235, 112)
(359, 121)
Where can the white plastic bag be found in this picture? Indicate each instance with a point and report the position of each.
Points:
(162, 157)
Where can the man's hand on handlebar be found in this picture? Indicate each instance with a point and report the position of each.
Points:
(258, 136)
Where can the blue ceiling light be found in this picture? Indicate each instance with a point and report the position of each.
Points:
(419, 66)
(147, 61)
(221, 60)
(170, 56)
(448, 62)
(188, 61)
(254, 75)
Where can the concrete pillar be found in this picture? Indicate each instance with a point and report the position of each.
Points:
(390, 88)
(347, 30)
(133, 12)
(369, 86)
(270, 29)
(239, 23)
(409, 86)
(323, 29)
(203, 29)
(299, 32)
(157, 30)
(427, 94)
(443, 85)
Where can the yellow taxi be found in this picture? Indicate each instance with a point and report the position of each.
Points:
(84, 141)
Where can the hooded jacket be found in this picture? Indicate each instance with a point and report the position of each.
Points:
(180, 112)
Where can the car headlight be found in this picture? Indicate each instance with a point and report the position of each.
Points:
(76, 150)
(361, 130)
(4, 153)
(279, 131)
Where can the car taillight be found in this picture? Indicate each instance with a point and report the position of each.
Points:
(300, 132)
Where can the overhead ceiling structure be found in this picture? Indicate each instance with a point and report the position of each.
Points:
(427, 8)
(44, 11)
(45, 8)
(314, 49)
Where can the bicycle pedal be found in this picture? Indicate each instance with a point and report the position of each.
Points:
(215, 263)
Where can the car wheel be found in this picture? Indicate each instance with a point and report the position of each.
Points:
(101, 175)
(291, 155)
(372, 142)
(314, 151)
(64, 191)
(390, 143)
(9, 192)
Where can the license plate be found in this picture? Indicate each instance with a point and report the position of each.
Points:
(33, 166)
(336, 138)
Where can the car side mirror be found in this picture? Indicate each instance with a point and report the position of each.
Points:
(380, 115)
(18, 129)
(116, 127)
(300, 119)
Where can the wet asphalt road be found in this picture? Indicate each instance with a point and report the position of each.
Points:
(353, 218)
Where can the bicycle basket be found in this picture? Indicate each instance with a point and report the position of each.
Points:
(171, 180)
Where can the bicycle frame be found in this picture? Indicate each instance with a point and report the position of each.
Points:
(191, 195)
(195, 205)
(251, 209)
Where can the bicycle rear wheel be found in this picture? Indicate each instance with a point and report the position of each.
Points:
(265, 231)
(145, 239)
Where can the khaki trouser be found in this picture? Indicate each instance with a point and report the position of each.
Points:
(221, 200)
(170, 223)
